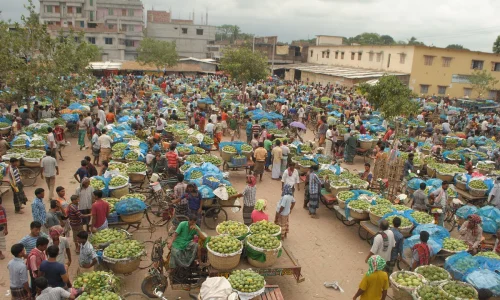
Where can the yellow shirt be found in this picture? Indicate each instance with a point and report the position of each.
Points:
(277, 154)
(260, 154)
(373, 285)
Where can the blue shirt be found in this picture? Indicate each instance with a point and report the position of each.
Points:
(53, 272)
(194, 202)
(156, 147)
(29, 242)
(314, 184)
(18, 273)
(249, 128)
(398, 248)
(82, 173)
(38, 211)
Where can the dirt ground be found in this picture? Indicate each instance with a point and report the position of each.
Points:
(325, 248)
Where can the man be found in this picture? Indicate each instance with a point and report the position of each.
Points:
(375, 283)
(255, 142)
(110, 116)
(54, 271)
(408, 167)
(267, 145)
(29, 241)
(50, 293)
(182, 248)
(172, 159)
(420, 201)
(35, 259)
(277, 155)
(4, 146)
(301, 113)
(263, 134)
(249, 129)
(388, 134)
(260, 155)
(18, 274)
(383, 242)
(160, 124)
(54, 215)
(494, 198)
(233, 126)
(284, 209)
(38, 208)
(284, 159)
(91, 169)
(446, 127)
(314, 191)
(139, 122)
(397, 251)
(16, 185)
(180, 187)
(100, 212)
(174, 115)
(51, 141)
(105, 141)
(438, 200)
(421, 252)
(209, 129)
(256, 127)
(88, 256)
(49, 171)
(60, 140)
(291, 177)
(102, 117)
(85, 193)
(362, 129)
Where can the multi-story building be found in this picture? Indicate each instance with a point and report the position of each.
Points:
(115, 26)
(428, 70)
(191, 39)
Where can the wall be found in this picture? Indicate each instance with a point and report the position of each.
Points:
(438, 74)
(325, 40)
(378, 60)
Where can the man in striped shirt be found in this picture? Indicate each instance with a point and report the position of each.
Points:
(29, 241)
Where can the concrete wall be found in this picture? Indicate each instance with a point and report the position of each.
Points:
(385, 58)
(326, 40)
(189, 44)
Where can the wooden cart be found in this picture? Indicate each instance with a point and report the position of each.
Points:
(467, 197)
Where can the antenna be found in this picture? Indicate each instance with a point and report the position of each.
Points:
(206, 18)
(193, 15)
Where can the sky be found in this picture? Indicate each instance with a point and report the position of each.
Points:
(472, 24)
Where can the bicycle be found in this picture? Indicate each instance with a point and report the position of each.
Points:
(450, 218)
(215, 214)
(156, 281)
(28, 175)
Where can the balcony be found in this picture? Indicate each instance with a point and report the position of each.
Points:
(135, 19)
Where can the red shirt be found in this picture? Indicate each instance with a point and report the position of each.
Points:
(99, 100)
(100, 211)
(362, 129)
(259, 216)
(171, 159)
(224, 116)
(59, 134)
(387, 135)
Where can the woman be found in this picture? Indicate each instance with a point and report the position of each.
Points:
(258, 213)
(350, 148)
(471, 232)
(56, 239)
(249, 199)
(194, 201)
(63, 204)
(82, 131)
(284, 209)
(375, 283)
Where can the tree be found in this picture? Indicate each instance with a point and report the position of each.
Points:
(369, 38)
(456, 46)
(161, 54)
(243, 65)
(32, 63)
(387, 40)
(496, 45)
(482, 81)
(391, 97)
(235, 32)
(413, 41)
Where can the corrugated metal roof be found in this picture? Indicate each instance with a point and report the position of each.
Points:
(338, 71)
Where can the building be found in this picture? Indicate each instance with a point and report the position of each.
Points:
(191, 40)
(186, 66)
(115, 26)
(328, 40)
(431, 70)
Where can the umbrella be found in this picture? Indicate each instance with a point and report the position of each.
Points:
(298, 125)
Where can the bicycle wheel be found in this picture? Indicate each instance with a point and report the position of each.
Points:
(28, 176)
(450, 221)
(146, 261)
(152, 282)
(174, 222)
(214, 216)
(134, 296)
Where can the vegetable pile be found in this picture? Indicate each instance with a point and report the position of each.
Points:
(404, 221)
(107, 235)
(35, 154)
(118, 181)
(264, 227)
(359, 205)
(136, 167)
(408, 280)
(246, 148)
(224, 244)
(232, 228)
(119, 146)
(136, 195)
(478, 185)
(433, 292)
(489, 254)
(400, 207)
(246, 281)
(111, 202)
(422, 217)
(211, 159)
(195, 159)
(121, 167)
(454, 245)
(96, 183)
(101, 295)
(124, 249)
(264, 241)
(380, 209)
(433, 273)
(207, 140)
(344, 195)
(231, 191)
(132, 155)
(459, 290)
(196, 174)
(97, 281)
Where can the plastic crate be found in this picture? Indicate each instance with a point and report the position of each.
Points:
(239, 161)
(211, 184)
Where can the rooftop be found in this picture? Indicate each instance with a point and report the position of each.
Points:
(164, 17)
(346, 72)
(135, 66)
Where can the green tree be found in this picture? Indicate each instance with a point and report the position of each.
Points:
(161, 54)
(32, 63)
(223, 32)
(413, 41)
(456, 46)
(391, 97)
(387, 40)
(496, 45)
(235, 33)
(482, 81)
(243, 65)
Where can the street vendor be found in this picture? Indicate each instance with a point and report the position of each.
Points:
(468, 165)
(183, 248)
(438, 200)
(350, 148)
(367, 174)
(421, 252)
(420, 201)
(471, 232)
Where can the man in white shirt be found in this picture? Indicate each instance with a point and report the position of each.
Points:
(52, 142)
(102, 117)
(160, 124)
(258, 106)
(446, 127)
(484, 126)
(291, 177)
(383, 242)
(301, 113)
(105, 141)
(420, 117)
(49, 171)
(213, 117)
(209, 128)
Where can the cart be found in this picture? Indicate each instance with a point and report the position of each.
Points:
(467, 197)
(340, 214)
(272, 292)
(286, 265)
(227, 165)
(214, 211)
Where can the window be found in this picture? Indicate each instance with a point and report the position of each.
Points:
(70, 23)
(82, 24)
(131, 12)
(311, 53)
(379, 57)
(353, 55)
(91, 2)
(77, 39)
(199, 31)
(91, 40)
(428, 60)
(389, 60)
(359, 55)
(322, 54)
(57, 9)
(184, 30)
(341, 55)
(477, 65)
(496, 67)
(108, 41)
(442, 89)
(130, 28)
(467, 92)
(370, 56)
(424, 88)
(402, 58)
(49, 22)
(110, 11)
(446, 61)
(328, 54)
(91, 16)
(124, 12)
(69, 10)
(111, 26)
(49, 8)
(129, 43)
(336, 55)
(78, 10)
(492, 95)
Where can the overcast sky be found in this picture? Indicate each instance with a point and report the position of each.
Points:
(474, 24)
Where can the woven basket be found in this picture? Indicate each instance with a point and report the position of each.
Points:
(444, 177)
(271, 256)
(477, 193)
(228, 202)
(374, 218)
(365, 144)
(403, 292)
(341, 203)
(223, 262)
(461, 185)
(405, 231)
(118, 193)
(434, 282)
(430, 171)
(359, 216)
(125, 267)
(336, 189)
(303, 169)
(135, 217)
(460, 283)
(136, 177)
(5, 130)
(31, 164)
(226, 156)
(248, 154)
